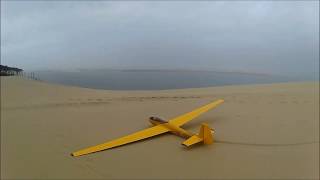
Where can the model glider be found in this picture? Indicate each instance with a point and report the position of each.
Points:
(160, 127)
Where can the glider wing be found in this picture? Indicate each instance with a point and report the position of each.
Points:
(153, 131)
(181, 120)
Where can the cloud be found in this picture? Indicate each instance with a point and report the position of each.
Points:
(268, 37)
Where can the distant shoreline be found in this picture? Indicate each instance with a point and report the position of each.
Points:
(154, 90)
(147, 79)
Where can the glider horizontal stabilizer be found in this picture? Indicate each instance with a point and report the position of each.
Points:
(205, 136)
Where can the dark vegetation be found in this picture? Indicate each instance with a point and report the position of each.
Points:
(9, 71)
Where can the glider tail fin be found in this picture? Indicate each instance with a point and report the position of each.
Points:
(205, 136)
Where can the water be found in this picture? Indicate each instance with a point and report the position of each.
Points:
(153, 79)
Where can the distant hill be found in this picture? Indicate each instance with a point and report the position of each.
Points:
(9, 71)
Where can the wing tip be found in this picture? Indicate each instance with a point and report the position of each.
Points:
(75, 154)
(220, 100)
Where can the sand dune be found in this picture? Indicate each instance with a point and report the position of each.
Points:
(262, 131)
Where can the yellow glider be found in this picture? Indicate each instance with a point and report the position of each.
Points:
(160, 127)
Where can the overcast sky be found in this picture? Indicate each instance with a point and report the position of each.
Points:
(268, 37)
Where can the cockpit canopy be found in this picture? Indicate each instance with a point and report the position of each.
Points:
(157, 120)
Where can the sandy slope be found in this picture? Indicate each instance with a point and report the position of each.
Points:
(262, 131)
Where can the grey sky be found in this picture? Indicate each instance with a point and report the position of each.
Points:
(268, 37)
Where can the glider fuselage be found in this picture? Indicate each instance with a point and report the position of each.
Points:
(174, 129)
